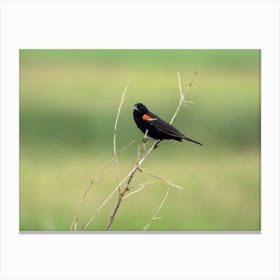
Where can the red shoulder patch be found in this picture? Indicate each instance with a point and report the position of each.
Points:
(146, 117)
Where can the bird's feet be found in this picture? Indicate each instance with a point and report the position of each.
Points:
(157, 144)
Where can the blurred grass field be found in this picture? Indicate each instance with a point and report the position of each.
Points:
(68, 104)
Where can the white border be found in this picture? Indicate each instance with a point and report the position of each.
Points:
(155, 24)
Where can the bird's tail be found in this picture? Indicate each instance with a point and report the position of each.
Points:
(191, 140)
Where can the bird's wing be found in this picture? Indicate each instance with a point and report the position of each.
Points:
(162, 126)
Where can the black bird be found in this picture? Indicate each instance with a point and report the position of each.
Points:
(157, 128)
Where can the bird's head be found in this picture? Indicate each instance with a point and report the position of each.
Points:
(140, 109)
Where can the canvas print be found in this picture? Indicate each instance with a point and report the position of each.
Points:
(139, 140)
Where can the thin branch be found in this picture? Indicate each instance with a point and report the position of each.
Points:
(157, 211)
(182, 100)
(160, 178)
(91, 183)
(189, 85)
(115, 137)
(142, 186)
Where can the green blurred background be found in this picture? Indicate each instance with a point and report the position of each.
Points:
(68, 104)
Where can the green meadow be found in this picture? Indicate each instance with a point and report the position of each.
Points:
(68, 105)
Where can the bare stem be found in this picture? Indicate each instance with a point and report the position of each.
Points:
(155, 217)
(115, 137)
(91, 183)
(142, 186)
(160, 178)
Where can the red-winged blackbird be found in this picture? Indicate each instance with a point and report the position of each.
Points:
(157, 128)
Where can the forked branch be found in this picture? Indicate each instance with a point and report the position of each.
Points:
(183, 95)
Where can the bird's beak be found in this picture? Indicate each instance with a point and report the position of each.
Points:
(135, 108)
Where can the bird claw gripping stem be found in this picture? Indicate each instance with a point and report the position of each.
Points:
(157, 144)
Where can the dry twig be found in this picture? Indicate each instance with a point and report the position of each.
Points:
(183, 95)
(160, 178)
(91, 183)
(115, 138)
(142, 186)
(155, 217)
